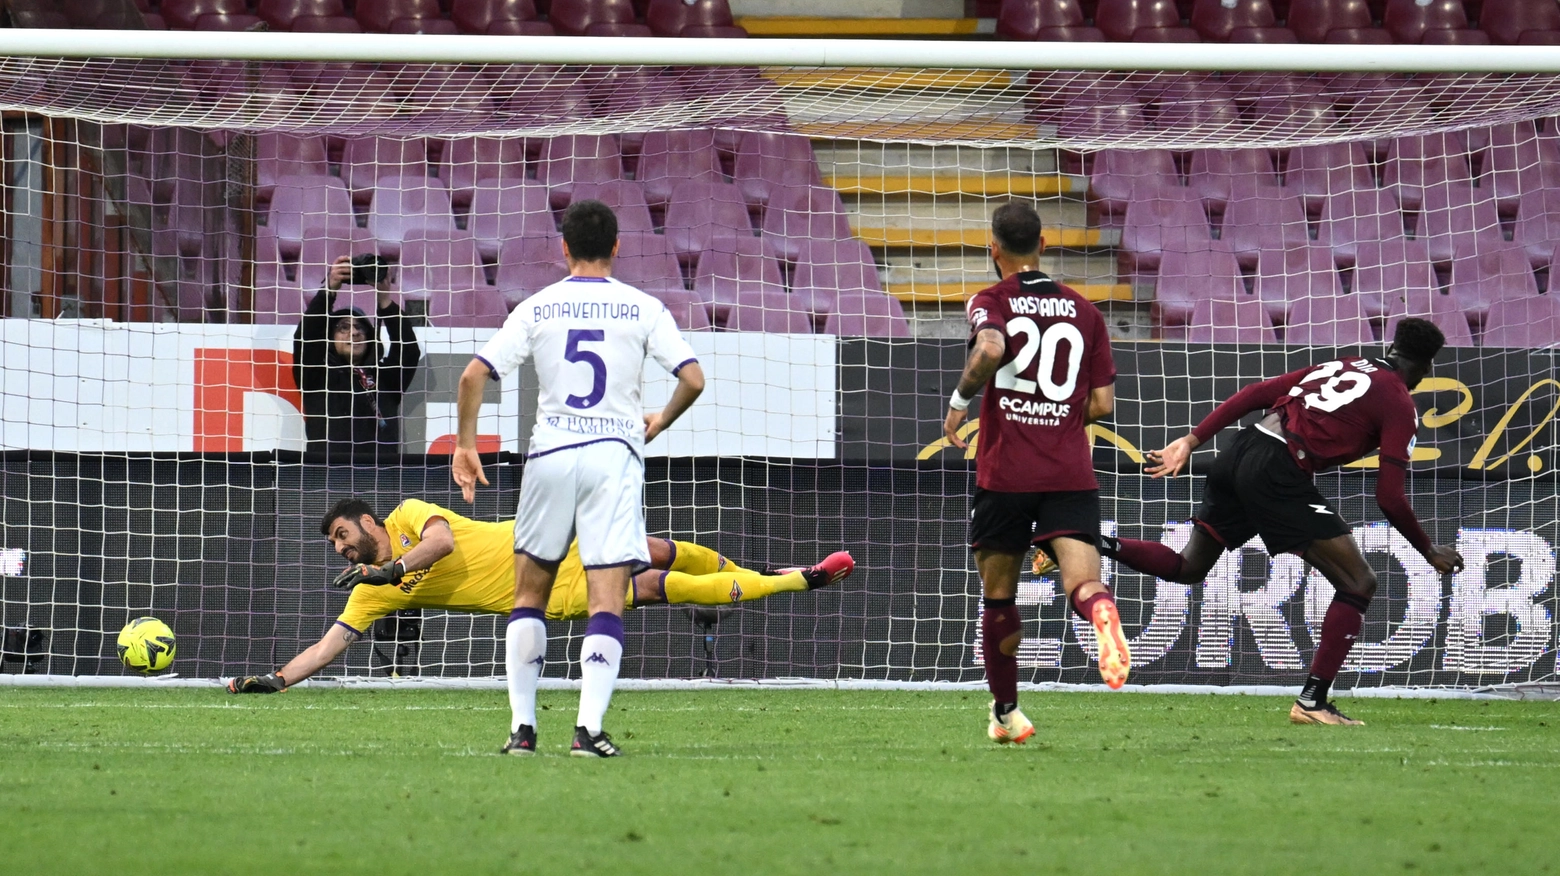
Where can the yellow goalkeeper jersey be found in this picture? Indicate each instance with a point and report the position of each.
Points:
(478, 576)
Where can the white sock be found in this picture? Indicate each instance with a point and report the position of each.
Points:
(599, 659)
(525, 648)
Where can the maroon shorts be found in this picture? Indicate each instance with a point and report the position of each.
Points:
(1013, 521)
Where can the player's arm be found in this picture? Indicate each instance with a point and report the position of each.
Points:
(1396, 435)
(690, 383)
(986, 351)
(312, 660)
(465, 465)
(1102, 402)
(1170, 459)
(435, 542)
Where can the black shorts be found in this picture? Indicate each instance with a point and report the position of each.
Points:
(1256, 488)
(1014, 521)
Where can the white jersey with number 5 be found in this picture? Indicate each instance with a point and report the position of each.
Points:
(589, 338)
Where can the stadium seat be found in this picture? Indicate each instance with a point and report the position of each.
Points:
(1486, 272)
(1313, 20)
(826, 269)
(574, 17)
(1409, 20)
(647, 261)
(1351, 217)
(698, 212)
(1264, 218)
(1439, 308)
(1507, 21)
(731, 264)
(424, 25)
(526, 265)
(1211, 172)
(1215, 20)
(1457, 212)
(1327, 321)
(470, 161)
(182, 14)
(1415, 163)
(364, 161)
(506, 27)
(1316, 172)
(1275, 35)
(686, 308)
(1386, 273)
(325, 24)
(223, 21)
(796, 215)
(670, 17)
(308, 206)
(279, 155)
(1466, 37)
(1120, 20)
(404, 203)
(1538, 224)
(1026, 19)
(1188, 277)
(439, 262)
(765, 160)
(866, 315)
(667, 157)
(764, 310)
(1240, 320)
(1517, 161)
(508, 210)
(1174, 220)
(579, 158)
(1121, 176)
(625, 197)
(1286, 275)
(280, 14)
(376, 16)
(1523, 322)
(474, 16)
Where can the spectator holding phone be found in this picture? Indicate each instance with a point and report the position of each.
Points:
(351, 387)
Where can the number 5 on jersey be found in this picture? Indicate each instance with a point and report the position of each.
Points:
(573, 352)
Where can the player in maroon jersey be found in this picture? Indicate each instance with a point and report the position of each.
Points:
(1042, 353)
(1318, 417)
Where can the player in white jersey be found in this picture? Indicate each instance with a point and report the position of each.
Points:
(589, 336)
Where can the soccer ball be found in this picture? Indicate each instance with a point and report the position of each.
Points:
(146, 645)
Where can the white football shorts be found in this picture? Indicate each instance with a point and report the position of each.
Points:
(595, 490)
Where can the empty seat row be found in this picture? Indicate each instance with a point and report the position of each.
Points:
(690, 18)
(1521, 323)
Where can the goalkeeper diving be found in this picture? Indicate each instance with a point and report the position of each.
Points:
(425, 556)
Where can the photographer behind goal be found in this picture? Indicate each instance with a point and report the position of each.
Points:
(351, 387)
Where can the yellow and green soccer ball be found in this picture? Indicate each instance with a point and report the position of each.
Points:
(146, 645)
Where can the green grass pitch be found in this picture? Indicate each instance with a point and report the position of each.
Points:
(343, 781)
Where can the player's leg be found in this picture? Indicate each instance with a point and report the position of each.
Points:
(1079, 564)
(1001, 527)
(1354, 583)
(543, 531)
(1189, 566)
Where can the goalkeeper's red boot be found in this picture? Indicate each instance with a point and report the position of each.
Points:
(1014, 728)
(1115, 657)
(1321, 713)
(835, 568)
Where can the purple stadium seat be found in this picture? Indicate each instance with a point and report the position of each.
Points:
(647, 261)
(1121, 176)
(1106, 113)
(1506, 21)
(1313, 20)
(1455, 38)
(670, 17)
(308, 206)
(616, 29)
(366, 160)
(1327, 321)
(1187, 277)
(825, 269)
(280, 14)
(1215, 20)
(376, 16)
(1538, 224)
(764, 310)
(1415, 163)
(424, 25)
(404, 203)
(1201, 109)
(574, 17)
(868, 315)
(1317, 172)
(1278, 35)
(626, 199)
(1409, 20)
(1211, 172)
(468, 161)
(685, 307)
(505, 27)
(1440, 309)
(731, 264)
(526, 265)
(765, 160)
(1240, 320)
(439, 262)
(1290, 274)
(1173, 221)
(182, 14)
(1387, 273)
(1351, 217)
(325, 24)
(1026, 19)
(667, 157)
(507, 210)
(474, 16)
(1120, 20)
(698, 212)
(1517, 161)
(1486, 272)
(795, 216)
(1457, 212)
(279, 155)
(1263, 218)
(1523, 322)
(579, 158)
(153, 21)
(225, 21)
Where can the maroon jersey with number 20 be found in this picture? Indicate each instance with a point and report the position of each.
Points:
(1032, 414)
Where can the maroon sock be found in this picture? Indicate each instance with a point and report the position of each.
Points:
(1340, 628)
(999, 621)
(1148, 557)
(1085, 609)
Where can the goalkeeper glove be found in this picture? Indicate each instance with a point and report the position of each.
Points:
(362, 573)
(262, 684)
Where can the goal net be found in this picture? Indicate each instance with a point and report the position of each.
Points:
(183, 401)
